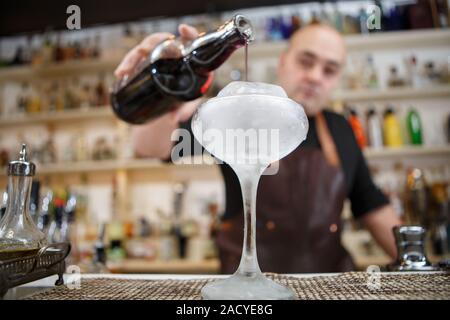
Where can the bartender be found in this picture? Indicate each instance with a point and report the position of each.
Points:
(299, 209)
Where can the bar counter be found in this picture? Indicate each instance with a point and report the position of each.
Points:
(333, 286)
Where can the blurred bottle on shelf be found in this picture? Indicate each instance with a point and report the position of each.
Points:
(85, 49)
(3, 203)
(440, 212)
(96, 51)
(18, 58)
(285, 27)
(416, 198)
(116, 236)
(68, 51)
(350, 24)
(414, 126)
(394, 79)
(34, 200)
(179, 191)
(58, 97)
(58, 50)
(374, 129)
(357, 128)
(102, 150)
(85, 96)
(125, 149)
(391, 129)
(69, 227)
(414, 78)
(47, 49)
(447, 129)
(54, 234)
(353, 78)
(34, 101)
(274, 29)
(101, 94)
(99, 259)
(81, 149)
(337, 18)
(28, 51)
(46, 212)
(431, 76)
(363, 17)
(23, 98)
(370, 76)
(4, 157)
(48, 151)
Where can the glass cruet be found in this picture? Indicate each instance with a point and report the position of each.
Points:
(18, 234)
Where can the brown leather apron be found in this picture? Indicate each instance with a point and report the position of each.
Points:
(298, 215)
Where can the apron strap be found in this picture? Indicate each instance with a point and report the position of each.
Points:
(326, 141)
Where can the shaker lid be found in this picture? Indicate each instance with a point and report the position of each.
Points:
(21, 167)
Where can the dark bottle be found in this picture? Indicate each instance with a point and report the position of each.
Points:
(176, 72)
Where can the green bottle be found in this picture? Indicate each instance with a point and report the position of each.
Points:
(414, 127)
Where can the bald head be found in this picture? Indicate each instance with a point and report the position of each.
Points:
(310, 68)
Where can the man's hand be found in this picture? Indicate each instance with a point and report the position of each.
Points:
(153, 139)
(142, 50)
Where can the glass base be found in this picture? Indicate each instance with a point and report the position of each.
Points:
(243, 287)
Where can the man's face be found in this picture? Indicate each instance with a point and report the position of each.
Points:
(310, 69)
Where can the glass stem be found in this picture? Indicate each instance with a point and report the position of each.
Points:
(249, 261)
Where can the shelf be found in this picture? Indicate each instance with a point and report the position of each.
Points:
(154, 164)
(435, 91)
(377, 41)
(105, 112)
(399, 40)
(75, 67)
(407, 151)
(371, 42)
(101, 112)
(112, 165)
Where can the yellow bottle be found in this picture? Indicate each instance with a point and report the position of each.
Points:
(391, 130)
(34, 103)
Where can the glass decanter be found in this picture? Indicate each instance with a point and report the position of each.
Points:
(19, 236)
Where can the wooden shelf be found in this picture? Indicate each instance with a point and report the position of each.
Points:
(154, 164)
(72, 68)
(62, 168)
(424, 38)
(407, 151)
(371, 42)
(105, 112)
(101, 112)
(435, 91)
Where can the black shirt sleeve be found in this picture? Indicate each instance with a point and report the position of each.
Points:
(364, 195)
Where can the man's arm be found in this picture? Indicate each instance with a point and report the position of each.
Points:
(153, 139)
(370, 205)
(380, 222)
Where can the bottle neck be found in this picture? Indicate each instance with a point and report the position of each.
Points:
(216, 50)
